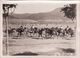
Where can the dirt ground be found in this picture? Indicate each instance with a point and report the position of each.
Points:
(29, 46)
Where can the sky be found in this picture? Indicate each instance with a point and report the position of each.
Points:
(36, 7)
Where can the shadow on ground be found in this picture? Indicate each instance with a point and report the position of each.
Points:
(68, 50)
(26, 54)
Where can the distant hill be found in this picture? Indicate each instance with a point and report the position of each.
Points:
(52, 16)
(55, 14)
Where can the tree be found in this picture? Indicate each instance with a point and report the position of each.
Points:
(7, 10)
(69, 11)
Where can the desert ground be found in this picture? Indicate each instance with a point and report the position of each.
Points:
(29, 46)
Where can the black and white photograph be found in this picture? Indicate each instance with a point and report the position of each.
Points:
(39, 29)
(43, 0)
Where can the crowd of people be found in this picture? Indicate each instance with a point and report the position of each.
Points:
(40, 32)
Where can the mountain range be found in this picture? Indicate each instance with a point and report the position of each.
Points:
(51, 16)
